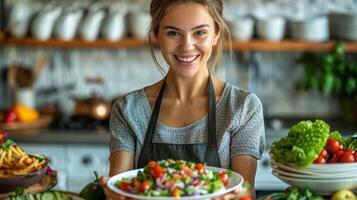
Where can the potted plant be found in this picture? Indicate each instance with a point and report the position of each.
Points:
(333, 74)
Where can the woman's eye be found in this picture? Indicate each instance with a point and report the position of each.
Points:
(199, 33)
(172, 33)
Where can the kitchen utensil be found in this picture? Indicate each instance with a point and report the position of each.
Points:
(95, 107)
(114, 25)
(139, 23)
(242, 28)
(19, 19)
(271, 28)
(91, 23)
(67, 24)
(43, 24)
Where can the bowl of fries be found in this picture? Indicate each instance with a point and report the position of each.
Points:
(18, 168)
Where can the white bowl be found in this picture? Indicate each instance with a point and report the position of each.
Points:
(347, 174)
(235, 182)
(320, 186)
(326, 168)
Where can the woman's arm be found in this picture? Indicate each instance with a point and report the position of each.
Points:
(246, 166)
(120, 161)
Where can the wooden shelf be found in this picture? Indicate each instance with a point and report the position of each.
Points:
(291, 45)
(73, 44)
(252, 45)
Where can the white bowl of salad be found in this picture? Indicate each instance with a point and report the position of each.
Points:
(172, 179)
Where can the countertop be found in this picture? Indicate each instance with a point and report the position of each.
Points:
(62, 136)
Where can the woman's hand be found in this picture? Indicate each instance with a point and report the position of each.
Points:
(110, 195)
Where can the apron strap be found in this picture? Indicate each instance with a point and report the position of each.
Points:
(211, 114)
(155, 114)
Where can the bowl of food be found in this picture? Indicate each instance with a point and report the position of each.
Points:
(18, 168)
(170, 179)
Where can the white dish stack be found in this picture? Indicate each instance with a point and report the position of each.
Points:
(343, 25)
(323, 179)
(314, 29)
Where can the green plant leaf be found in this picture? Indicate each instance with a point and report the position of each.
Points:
(351, 85)
(327, 83)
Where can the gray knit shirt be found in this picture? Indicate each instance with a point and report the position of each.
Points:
(239, 125)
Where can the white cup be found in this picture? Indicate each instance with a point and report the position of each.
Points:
(25, 96)
(242, 28)
(271, 28)
(139, 24)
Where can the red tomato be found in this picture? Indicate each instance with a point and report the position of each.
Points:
(176, 192)
(224, 178)
(341, 147)
(347, 156)
(320, 160)
(245, 197)
(125, 186)
(144, 186)
(152, 163)
(355, 156)
(10, 115)
(323, 153)
(157, 171)
(335, 157)
(333, 145)
(200, 167)
(3, 136)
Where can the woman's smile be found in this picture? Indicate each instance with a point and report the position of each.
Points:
(186, 60)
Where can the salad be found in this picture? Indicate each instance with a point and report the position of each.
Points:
(175, 178)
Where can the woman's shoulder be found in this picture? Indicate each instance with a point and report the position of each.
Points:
(132, 99)
(240, 97)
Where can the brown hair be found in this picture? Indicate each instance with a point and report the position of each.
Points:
(215, 9)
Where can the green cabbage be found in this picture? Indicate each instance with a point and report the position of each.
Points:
(302, 145)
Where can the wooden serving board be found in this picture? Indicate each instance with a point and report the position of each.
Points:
(43, 122)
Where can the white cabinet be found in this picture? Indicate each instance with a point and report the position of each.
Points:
(82, 161)
(74, 163)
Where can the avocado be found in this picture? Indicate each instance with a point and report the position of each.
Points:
(93, 190)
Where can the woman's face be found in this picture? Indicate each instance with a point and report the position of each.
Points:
(186, 37)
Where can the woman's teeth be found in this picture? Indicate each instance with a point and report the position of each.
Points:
(186, 59)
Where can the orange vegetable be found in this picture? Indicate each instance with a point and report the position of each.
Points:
(26, 114)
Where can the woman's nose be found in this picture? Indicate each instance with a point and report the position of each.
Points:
(187, 43)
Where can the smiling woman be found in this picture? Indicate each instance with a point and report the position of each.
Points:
(190, 114)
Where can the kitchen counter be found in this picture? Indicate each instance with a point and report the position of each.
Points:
(62, 136)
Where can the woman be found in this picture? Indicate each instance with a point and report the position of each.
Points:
(190, 114)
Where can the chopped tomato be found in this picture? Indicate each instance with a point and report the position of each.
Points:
(224, 178)
(200, 167)
(157, 171)
(152, 163)
(245, 197)
(144, 186)
(186, 171)
(125, 186)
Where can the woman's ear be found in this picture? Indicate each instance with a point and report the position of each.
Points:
(153, 38)
(216, 37)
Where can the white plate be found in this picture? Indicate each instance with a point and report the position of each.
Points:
(320, 186)
(314, 176)
(235, 182)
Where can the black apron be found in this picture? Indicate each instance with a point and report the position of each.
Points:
(203, 153)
